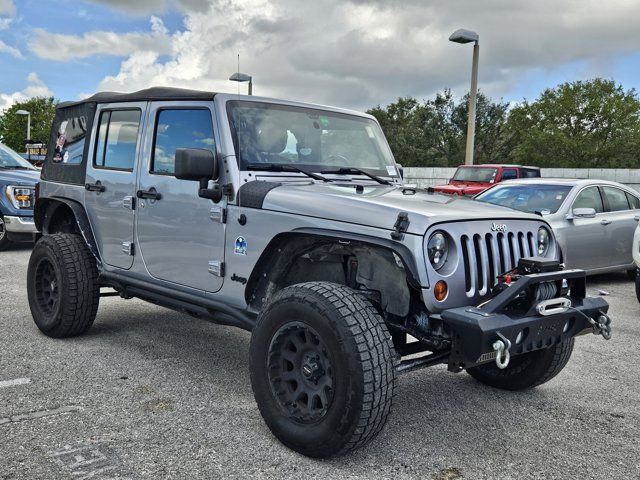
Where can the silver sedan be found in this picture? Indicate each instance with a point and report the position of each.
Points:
(593, 220)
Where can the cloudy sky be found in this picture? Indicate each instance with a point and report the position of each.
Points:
(355, 53)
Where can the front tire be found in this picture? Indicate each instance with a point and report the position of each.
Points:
(638, 284)
(62, 285)
(322, 369)
(527, 370)
(4, 238)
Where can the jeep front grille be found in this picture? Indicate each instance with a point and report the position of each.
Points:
(478, 255)
(489, 255)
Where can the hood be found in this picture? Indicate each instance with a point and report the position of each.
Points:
(378, 205)
(20, 177)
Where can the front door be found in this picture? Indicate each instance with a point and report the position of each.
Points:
(586, 237)
(181, 236)
(111, 180)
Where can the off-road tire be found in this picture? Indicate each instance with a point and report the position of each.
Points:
(363, 364)
(4, 237)
(527, 370)
(64, 262)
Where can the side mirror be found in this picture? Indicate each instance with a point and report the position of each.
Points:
(198, 164)
(583, 213)
(400, 171)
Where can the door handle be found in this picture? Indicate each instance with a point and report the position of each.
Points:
(150, 194)
(605, 222)
(637, 218)
(95, 187)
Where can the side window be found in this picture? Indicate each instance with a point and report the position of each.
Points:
(70, 140)
(509, 174)
(530, 173)
(117, 139)
(589, 198)
(616, 198)
(634, 201)
(180, 128)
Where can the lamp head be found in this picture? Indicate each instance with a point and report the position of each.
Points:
(464, 36)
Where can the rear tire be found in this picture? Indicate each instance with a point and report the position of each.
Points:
(527, 370)
(323, 369)
(4, 238)
(62, 285)
(638, 284)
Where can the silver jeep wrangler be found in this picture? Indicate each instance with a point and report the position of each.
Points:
(292, 221)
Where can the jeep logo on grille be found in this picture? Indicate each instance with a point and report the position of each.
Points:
(498, 227)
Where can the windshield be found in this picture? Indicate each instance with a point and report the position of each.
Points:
(527, 198)
(316, 140)
(10, 159)
(475, 174)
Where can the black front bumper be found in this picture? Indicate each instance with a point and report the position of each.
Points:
(475, 329)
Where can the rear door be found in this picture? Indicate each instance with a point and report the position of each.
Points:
(181, 236)
(586, 237)
(621, 224)
(111, 180)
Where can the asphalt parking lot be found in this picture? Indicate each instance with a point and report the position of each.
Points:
(149, 393)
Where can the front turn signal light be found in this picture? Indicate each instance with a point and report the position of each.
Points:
(440, 290)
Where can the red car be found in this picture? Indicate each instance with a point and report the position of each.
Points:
(470, 180)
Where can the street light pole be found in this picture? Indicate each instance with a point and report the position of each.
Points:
(471, 121)
(28, 114)
(467, 36)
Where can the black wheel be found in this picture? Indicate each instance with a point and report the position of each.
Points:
(525, 371)
(4, 239)
(638, 284)
(323, 369)
(62, 285)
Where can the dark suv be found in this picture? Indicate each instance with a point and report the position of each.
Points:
(18, 179)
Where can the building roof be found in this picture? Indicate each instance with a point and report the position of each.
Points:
(149, 94)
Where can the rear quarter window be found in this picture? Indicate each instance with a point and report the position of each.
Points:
(616, 198)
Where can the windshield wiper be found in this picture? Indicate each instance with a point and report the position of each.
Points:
(279, 167)
(353, 170)
(14, 167)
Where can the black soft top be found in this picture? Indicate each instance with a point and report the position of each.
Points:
(147, 95)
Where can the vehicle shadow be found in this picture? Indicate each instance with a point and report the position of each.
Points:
(433, 409)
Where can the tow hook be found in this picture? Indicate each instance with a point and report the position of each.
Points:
(501, 347)
(602, 326)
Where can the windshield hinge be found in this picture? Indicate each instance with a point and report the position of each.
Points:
(401, 226)
(227, 190)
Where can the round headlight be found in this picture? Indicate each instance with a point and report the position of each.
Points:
(544, 239)
(437, 250)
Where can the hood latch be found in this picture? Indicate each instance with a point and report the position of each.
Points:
(401, 226)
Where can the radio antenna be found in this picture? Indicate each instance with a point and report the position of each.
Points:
(238, 72)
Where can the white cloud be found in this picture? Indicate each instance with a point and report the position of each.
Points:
(63, 47)
(4, 48)
(35, 88)
(142, 7)
(357, 53)
(7, 13)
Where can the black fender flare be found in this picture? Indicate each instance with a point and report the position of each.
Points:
(46, 208)
(400, 250)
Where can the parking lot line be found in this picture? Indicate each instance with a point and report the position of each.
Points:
(15, 382)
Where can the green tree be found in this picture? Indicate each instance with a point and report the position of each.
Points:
(13, 127)
(433, 133)
(583, 124)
